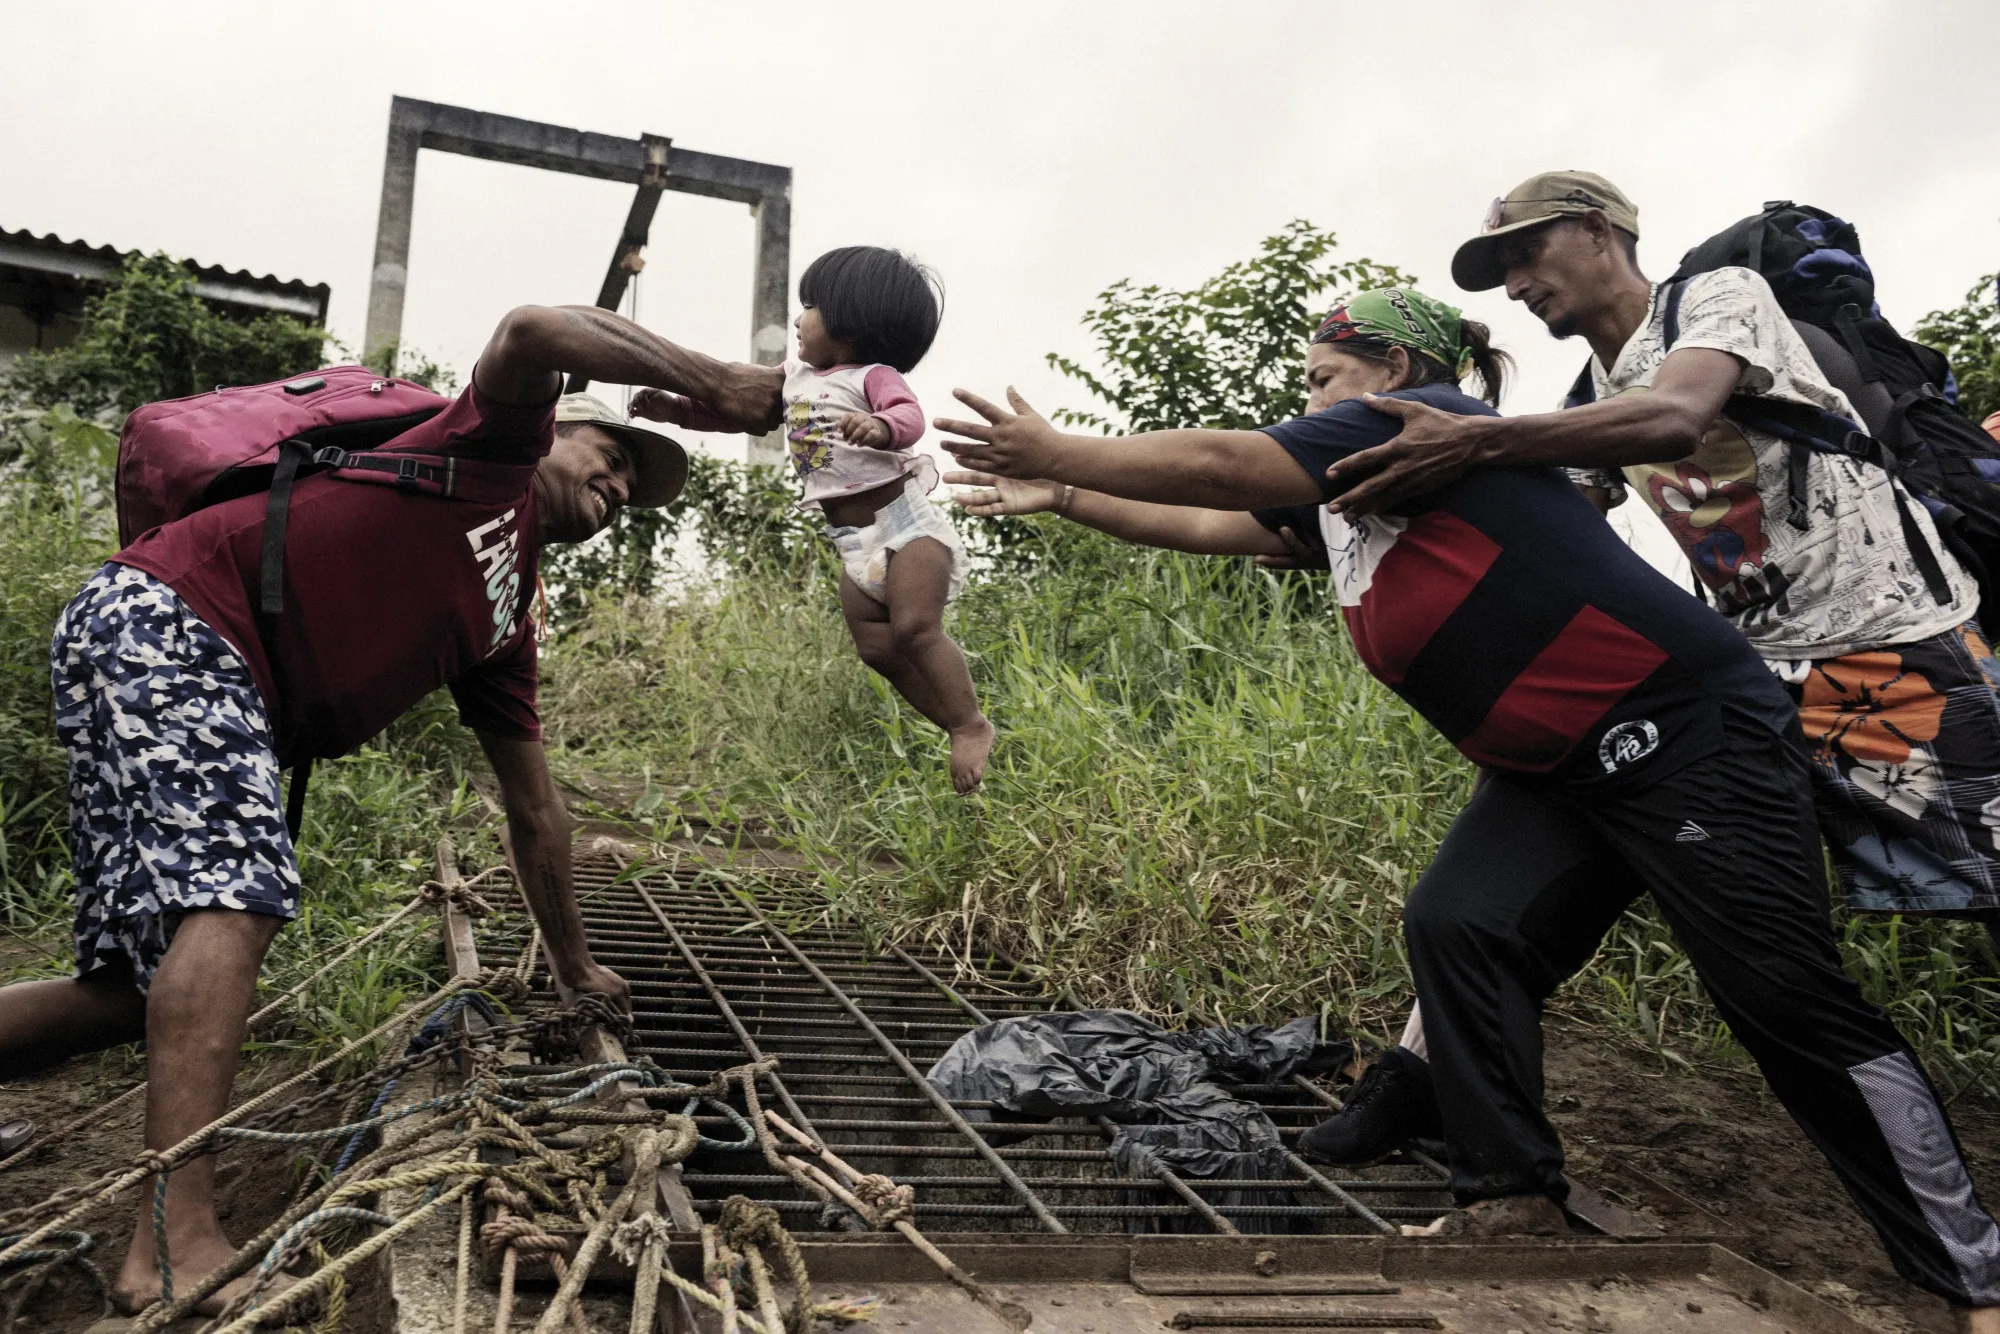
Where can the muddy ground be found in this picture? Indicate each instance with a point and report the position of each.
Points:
(254, 1184)
(1712, 1135)
(1716, 1136)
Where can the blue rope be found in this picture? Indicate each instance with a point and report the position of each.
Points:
(749, 1140)
(160, 1238)
(279, 1255)
(80, 1245)
(427, 1036)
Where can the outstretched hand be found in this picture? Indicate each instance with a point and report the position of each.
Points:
(1020, 444)
(1433, 450)
(995, 496)
(1298, 556)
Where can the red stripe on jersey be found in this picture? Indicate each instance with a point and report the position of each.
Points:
(1420, 581)
(1552, 704)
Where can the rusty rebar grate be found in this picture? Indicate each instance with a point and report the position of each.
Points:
(716, 984)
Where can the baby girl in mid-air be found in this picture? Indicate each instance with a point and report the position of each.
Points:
(852, 423)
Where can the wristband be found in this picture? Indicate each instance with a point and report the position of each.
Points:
(1069, 494)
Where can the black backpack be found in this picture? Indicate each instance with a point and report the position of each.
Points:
(1813, 262)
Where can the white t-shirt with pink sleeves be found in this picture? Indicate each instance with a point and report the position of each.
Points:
(815, 403)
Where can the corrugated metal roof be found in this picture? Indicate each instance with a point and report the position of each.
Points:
(50, 259)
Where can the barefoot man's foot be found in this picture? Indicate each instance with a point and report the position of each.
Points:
(969, 748)
(195, 1257)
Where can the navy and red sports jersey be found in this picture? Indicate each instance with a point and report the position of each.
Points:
(1505, 611)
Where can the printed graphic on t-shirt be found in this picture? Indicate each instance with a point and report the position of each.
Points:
(811, 440)
(816, 402)
(1711, 504)
(496, 547)
(1838, 578)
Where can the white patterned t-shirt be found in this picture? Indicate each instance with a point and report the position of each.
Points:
(1845, 582)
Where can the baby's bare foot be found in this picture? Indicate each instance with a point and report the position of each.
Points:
(969, 748)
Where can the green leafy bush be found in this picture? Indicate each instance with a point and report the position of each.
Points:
(1969, 335)
(148, 336)
(1228, 353)
(54, 530)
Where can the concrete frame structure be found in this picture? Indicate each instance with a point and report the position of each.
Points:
(651, 162)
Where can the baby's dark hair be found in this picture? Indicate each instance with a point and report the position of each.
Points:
(881, 302)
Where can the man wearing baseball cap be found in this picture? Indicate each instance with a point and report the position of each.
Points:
(1892, 675)
(179, 703)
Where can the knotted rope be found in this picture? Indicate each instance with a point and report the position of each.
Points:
(892, 1203)
(33, 1268)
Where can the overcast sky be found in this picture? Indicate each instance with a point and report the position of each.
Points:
(1032, 152)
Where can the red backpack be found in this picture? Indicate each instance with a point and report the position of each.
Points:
(186, 454)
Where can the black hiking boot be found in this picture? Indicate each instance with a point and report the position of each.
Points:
(1390, 1105)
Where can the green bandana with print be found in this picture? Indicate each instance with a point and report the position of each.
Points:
(1402, 315)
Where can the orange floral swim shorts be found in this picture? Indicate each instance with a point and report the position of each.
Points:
(1906, 750)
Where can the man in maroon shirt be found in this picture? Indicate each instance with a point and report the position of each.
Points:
(179, 706)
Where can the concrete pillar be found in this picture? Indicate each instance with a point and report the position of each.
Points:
(391, 275)
(770, 305)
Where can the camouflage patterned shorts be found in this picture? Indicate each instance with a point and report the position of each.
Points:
(174, 798)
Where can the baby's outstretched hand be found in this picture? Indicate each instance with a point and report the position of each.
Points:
(858, 428)
(660, 406)
(994, 496)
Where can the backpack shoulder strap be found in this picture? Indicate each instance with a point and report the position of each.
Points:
(295, 804)
(277, 511)
(451, 476)
(1848, 320)
(1583, 391)
(1671, 301)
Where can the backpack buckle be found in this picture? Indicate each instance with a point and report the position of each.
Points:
(332, 456)
(407, 471)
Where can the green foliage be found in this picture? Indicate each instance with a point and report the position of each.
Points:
(373, 816)
(1969, 335)
(148, 336)
(744, 520)
(1190, 807)
(54, 530)
(1228, 353)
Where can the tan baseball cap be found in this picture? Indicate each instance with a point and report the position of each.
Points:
(1536, 202)
(659, 463)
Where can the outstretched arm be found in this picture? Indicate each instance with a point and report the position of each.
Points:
(1233, 470)
(1205, 532)
(538, 826)
(534, 346)
(1435, 448)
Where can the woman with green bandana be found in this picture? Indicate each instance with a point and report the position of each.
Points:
(1632, 740)
(1388, 339)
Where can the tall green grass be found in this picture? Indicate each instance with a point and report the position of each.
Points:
(1200, 803)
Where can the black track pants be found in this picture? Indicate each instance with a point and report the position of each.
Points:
(1529, 880)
